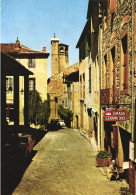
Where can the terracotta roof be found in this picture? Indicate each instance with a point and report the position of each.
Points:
(12, 47)
(18, 48)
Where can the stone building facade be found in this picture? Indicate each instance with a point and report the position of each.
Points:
(59, 62)
(35, 61)
(117, 75)
(108, 47)
(89, 69)
(71, 92)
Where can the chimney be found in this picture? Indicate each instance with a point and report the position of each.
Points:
(44, 49)
(17, 42)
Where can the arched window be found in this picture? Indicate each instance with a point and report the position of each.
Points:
(66, 51)
(61, 50)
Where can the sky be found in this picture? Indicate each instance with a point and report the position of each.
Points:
(34, 22)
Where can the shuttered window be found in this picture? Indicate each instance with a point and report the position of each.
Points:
(105, 72)
(124, 64)
(89, 79)
(112, 6)
(83, 85)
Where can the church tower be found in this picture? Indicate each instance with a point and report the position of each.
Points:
(55, 56)
(63, 57)
(59, 57)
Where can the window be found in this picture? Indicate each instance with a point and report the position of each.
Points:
(84, 85)
(105, 19)
(31, 63)
(112, 67)
(81, 86)
(56, 100)
(113, 73)
(31, 84)
(89, 79)
(61, 50)
(105, 72)
(66, 51)
(112, 6)
(124, 63)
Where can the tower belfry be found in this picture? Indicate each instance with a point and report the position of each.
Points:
(59, 56)
(54, 55)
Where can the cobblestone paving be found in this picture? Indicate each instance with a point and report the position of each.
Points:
(65, 165)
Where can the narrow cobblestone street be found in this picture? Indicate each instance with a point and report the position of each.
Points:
(65, 165)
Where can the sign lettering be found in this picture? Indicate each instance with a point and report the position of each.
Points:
(115, 115)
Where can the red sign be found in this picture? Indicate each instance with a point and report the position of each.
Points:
(115, 115)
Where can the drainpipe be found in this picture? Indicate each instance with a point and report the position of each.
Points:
(132, 109)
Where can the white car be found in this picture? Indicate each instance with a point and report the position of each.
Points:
(61, 122)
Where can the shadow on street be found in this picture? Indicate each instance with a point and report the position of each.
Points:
(14, 165)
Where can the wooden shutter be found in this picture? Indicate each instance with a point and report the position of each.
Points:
(126, 70)
(112, 6)
(115, 137)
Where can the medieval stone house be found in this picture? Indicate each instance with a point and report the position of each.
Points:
(35, 61)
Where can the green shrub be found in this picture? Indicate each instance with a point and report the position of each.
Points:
(66, 115)
(39, 111)
(34, 107)
(103, 155)
(44, 113)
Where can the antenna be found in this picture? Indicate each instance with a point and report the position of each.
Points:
(54, 35)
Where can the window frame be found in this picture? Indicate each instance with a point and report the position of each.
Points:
(89, 81)
(124, 91)
(105, 70)
(33, 86)
(31, 63)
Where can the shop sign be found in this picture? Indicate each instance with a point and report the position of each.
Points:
(132, 151)
(115, 115)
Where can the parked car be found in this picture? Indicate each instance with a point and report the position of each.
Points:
(62, 123)
(54, 125)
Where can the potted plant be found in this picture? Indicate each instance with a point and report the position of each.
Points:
(102, 159)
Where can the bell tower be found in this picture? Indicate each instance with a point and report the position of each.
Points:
(63, 57)
(59, 56)
(55, 55)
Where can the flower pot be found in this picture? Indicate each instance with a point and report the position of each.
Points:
(102, 162)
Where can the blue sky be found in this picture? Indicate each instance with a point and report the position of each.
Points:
(34, 22)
